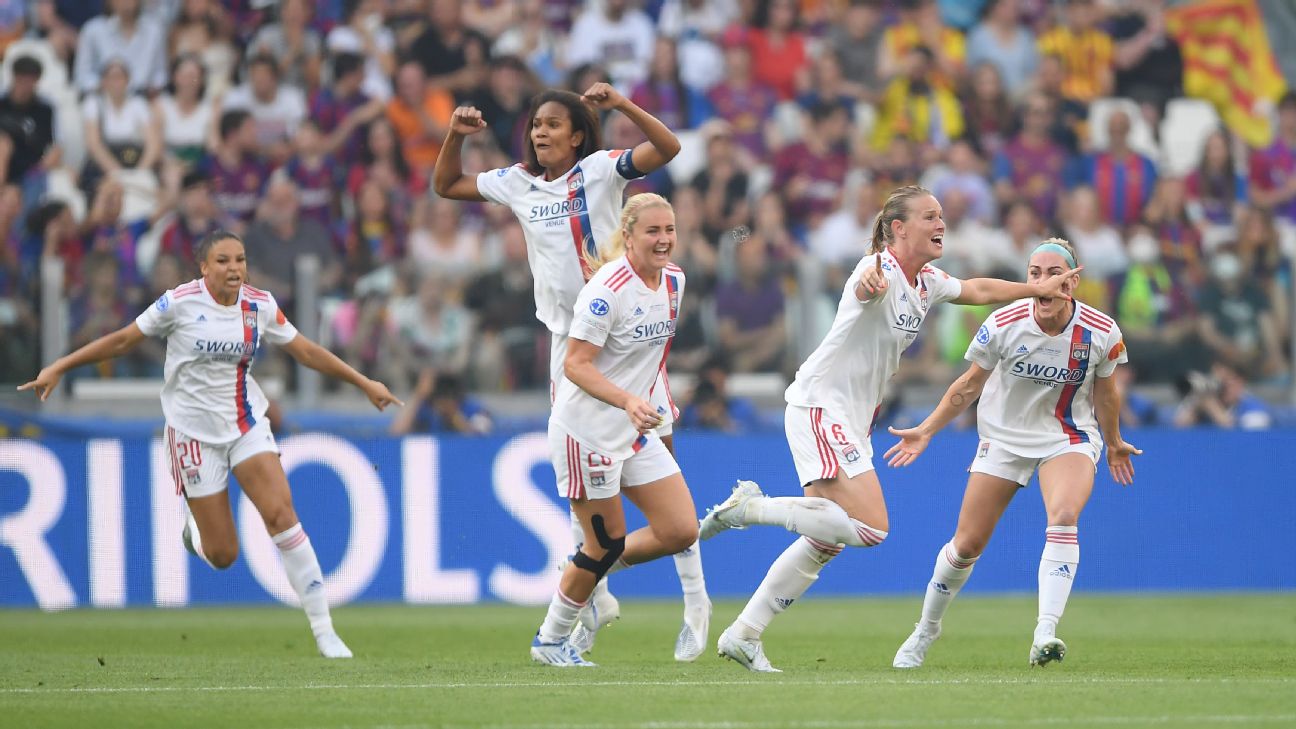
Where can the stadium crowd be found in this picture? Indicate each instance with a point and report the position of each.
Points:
(129, 128)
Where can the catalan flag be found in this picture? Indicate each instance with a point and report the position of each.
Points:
(1227, 61)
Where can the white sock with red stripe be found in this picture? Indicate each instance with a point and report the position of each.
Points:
(948, 577)
(561, 618)
(304, 575)
(1057, 572)
(788, 578)
(812, 516)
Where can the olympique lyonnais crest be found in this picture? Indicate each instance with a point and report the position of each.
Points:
(597, 478)
(852, 454)
(674, 303)
(193, 477)
(249, 319)
(1080, 351)
(575, 182)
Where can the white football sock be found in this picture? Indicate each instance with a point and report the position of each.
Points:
(688, 565)
(948, 577)
(1057, 572)
(560, 619)
(195, 537)
(304, 574)
(788, 579)
(814, 517)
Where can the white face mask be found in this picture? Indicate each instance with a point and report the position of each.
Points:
(1143, 249)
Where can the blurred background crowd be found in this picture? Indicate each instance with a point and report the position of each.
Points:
(129, 128)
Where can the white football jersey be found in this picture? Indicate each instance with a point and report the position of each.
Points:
(1039, 397)
(208, 392)
(560, 218)
(634, 325)
(847, 373)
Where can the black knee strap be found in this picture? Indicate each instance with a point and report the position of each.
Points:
(614, 547)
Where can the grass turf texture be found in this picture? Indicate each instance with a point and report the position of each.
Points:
(1182, 661)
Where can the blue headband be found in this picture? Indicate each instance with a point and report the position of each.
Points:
(1055, 248)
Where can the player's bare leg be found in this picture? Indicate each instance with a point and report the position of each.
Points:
(1065, 483)
(210, 532)
(263, 480)
(984, 503)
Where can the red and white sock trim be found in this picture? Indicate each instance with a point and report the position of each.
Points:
(831, 550)
(291, 538)
(955, 561)
(1062, 535)
(868, 535)
(562, 597)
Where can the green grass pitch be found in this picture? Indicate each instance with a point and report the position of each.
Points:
(1134, 661)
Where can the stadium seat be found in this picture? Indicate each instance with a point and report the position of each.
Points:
(691, 158)
(1184, 129)
(1141, 138)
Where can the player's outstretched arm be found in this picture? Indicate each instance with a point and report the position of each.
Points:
(448, 178)
(662, 144)
(580, 369)
(961, 393)
(1107, 407)
(106, 347)
(997, 291)
(320, 359)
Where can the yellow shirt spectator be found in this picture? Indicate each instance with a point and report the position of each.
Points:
(1086, 60)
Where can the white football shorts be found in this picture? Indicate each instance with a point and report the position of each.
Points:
(823, 445)
(586, 474)
(202, 469)
(994, 459)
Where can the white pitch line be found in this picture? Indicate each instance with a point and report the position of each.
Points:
(762, 684)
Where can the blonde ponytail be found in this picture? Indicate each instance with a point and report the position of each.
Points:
(615, 247)
(896, 207)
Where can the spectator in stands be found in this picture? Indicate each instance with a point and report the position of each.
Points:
(105, 231)
(505, 104)
(363, 34)
(921, 26)
(1263, 260)
(770, 224)
(436, 326)
(710, 405)
(1217, 191)
(1156, 313)
(440, 405)
(440, 242)
(965, 175)
(750, 311)
(120, 133)
(1273, 169)
(488, 16)
(619, 132)
(857, 44)
(618, 36)
(1123, 178)
(276, 108)
(842, 240)
(809, 174)
(316, 173)
(1099, 244)
(236, 172)
(362, 331)
(1149, 66)
(1086, 52)
(204, 29)
(1001, 40)
(1166, 215)
(342, 110)
(531, 39)
(778, 48)
(454, 57)
(292, 44)
(20, 323)
(744, 102)
(121, 35)
(1031, 166)
(279, 238)
(1220, 399)
(374, 238)
(52, 232)
(101, 309)
(383, 162)
(990, 116)
(1070, 117)
(502, 301)
(827, 85)
(1237, 322)
(918, 105)
(26, 127)
(418, 115)
(722, 183)
(195, 215)
(664, 95)
(48, 25)
(696, 27)
(187, 119)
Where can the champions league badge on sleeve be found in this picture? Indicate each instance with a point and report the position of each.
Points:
(983, 335)
(163, 303)
(599, 307)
